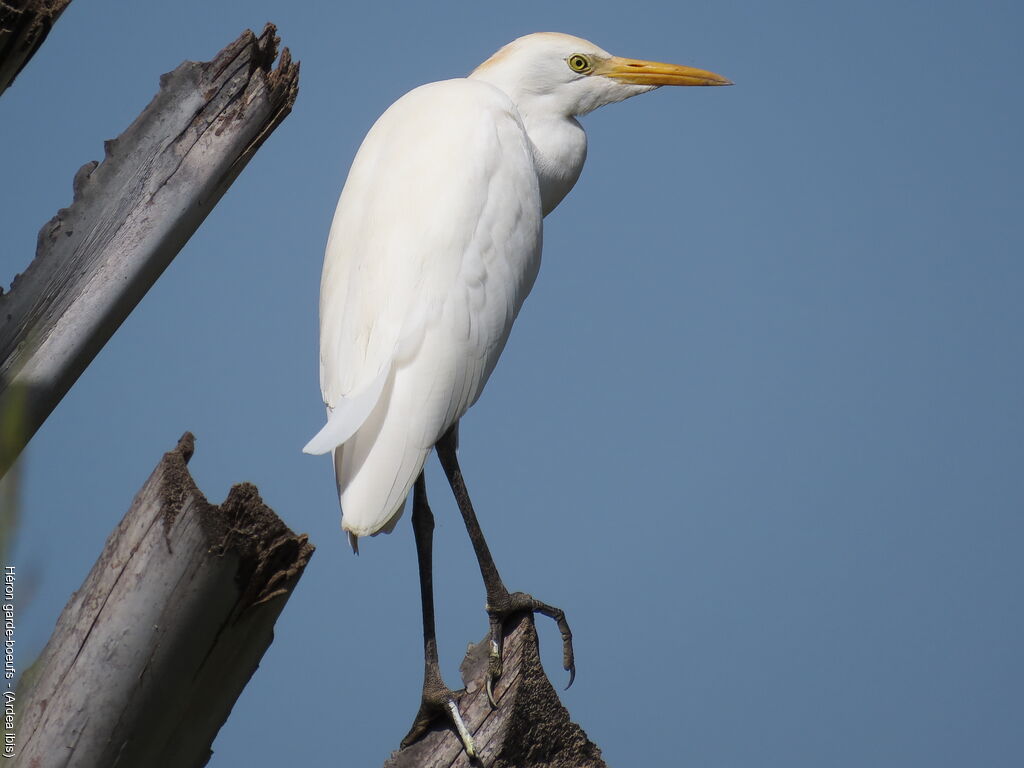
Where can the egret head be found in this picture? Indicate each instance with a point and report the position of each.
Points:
(571, 76)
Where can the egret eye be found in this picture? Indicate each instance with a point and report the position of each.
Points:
(578, 63)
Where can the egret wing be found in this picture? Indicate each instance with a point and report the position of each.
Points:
(434, 246)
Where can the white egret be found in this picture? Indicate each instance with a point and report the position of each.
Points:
(434, 246)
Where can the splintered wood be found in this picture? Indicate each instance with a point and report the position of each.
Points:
(131, 214)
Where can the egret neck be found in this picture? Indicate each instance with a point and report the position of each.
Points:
(558, 140)
(559, 150)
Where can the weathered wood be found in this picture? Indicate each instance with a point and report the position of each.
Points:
(131, 215)
(24, 25)
(149, 656)
(529, 729)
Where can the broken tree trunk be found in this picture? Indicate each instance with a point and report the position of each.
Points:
(24, 25)
(529, 728)
(131, 215)
(149, 656)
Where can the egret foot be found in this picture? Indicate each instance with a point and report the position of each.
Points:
(499, 610)
(439, 700)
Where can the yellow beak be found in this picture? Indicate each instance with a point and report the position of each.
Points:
(639, 72)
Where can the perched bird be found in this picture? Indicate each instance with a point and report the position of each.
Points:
(434, 246)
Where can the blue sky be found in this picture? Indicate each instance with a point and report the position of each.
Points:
(759, 429)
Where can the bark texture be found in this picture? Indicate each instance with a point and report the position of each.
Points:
(529, 729)
(131, 215)
(24, 25)
(149, 656)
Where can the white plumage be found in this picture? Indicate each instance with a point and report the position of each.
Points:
(435, 245)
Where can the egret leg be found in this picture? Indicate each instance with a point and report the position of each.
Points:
(500, 603)
(438, 699)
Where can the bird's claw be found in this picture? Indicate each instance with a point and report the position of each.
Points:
(501, 609)
(568, 660)
(494, 667)
(490, 691)
(439, 700)
(460, 726)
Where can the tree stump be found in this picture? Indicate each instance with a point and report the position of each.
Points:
(529, 729)
(149, 656)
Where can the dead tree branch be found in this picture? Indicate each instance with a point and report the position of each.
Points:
(24, 25)
(131, 215)
(529, 729)
(149, 656)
